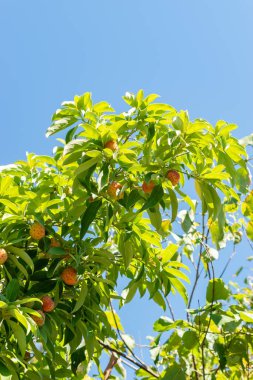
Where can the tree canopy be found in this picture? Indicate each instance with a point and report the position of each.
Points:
(146, 195)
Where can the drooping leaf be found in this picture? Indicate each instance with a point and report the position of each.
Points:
(155, 197)
(89, 215)
(12, 290)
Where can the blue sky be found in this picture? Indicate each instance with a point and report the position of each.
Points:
(198, 55)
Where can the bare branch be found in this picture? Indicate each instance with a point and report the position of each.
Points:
(121, 337)
(197, 275)
(170, 309)
(127, 357)
(112, 362)
(228, 262)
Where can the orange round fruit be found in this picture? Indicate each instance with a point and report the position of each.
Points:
(114, 190)
(55, 243)
(3, 256)
(47, 304)
(69, 276)
(37, 231)
(112, 144)
(39, 320)
(173, 176)
(147, 187)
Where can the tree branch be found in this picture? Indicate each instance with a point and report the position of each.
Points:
(208, 326)
(170, 309)
(121, 337)
(198, 266)
(113, 360)
(127, 357)
(228, 262)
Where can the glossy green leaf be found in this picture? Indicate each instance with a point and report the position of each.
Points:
(89, 215)
(155, 197)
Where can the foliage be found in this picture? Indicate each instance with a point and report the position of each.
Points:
(98, 221)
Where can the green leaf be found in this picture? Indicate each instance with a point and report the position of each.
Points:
(186, 223)
(159, 299)
(63, 373)
(19, 335)
(82, 296)
(176, 273)
(216, 172)
(10, 205)
(225, 160)
(179, 286)
(126, 249)
(129, 292)
(155, 197)
(190, 339)
(114, 320)
(87, 164)
(19, 317)
(18, 265)
(23, 255)
(133, 197)
(246, 316)
(150, 98)
(12, 290)
(155, 217)
(174, 204)
(89, 215)
(216, 290)
(74, 146)
(3, 305)
(56, 251)
(162, 324)
(42, 287)
(4, 370)
(249, 230)
(102, 107)
(77, 357)
(242, 179)
(174, 372)
(59, 125)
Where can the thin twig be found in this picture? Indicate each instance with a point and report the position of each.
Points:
(170, 309)
(127, 357)
(228, 262)
(250, 244)
(198, 266)
(209, 322)
(193, 290)
(129, 365)
(121, 337)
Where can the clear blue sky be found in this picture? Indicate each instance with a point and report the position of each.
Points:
(197, 54)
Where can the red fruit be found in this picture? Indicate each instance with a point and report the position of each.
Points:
(39, 320)
(112, 144)
(148, 187)
(47, 304)
(55, 243)
(114, 190)
(69, 276)
(173, 176)
(3, 256)
(37, 231)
